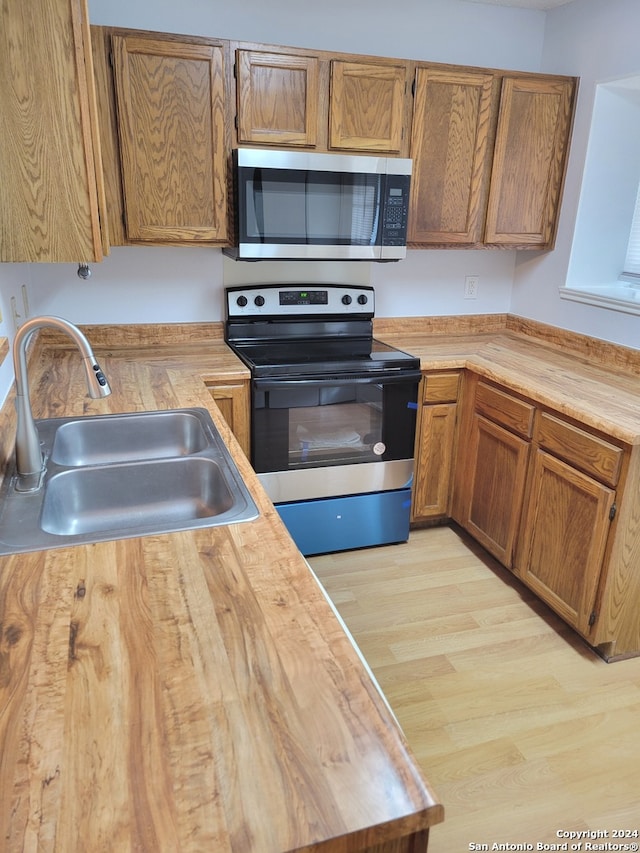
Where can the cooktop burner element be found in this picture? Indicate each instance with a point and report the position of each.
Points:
(293, 330)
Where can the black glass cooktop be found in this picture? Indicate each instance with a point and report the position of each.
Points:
(294, 358)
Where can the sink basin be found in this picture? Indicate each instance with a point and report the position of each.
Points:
(121, 476)
(117, 497)
(133, 436)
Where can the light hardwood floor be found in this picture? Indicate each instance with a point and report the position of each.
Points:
(521, 729)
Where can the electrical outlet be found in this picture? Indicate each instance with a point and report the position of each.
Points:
(471, 287)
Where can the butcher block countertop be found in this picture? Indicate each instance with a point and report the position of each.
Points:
(192, 691)
(584, 378)
(196, 691)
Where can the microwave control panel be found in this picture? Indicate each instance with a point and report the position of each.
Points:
(396, 210)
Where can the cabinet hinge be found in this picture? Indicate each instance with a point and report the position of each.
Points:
(592, 619)
(413, 88)
(612, 512)
(111, 58)
(235, 120)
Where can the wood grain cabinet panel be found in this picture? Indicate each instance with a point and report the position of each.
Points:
(502, 408)
(233, 400)
(451, 155)
(532, 142)
(277, 98)
(587, 452)
(497, 479)
(52, 197)
(435, 441)
(171, 120)
(367, 106)
(434, 457)
(566, 524)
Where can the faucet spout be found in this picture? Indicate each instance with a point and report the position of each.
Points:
(29, 460)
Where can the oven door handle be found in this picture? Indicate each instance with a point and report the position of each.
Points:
(386, 379)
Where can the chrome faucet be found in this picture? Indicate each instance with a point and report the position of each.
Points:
(30, 463)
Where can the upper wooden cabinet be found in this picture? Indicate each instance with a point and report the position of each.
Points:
(171, 115)
(532, 143)
(50, 167)
(277, 98)
(489, 156)
(367, 107)
(489, 148)
(290, 97)
(450, 137)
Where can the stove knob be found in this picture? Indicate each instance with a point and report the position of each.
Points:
(362, 299)
(346, 299)
(259, 301)
(241, 301)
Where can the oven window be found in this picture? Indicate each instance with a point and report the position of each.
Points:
(343, 427)
(304, 426)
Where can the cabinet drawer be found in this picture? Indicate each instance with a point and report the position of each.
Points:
(505, 410)
(586, 452)
(440, 388)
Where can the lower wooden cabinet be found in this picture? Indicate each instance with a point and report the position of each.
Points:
(564, 534)
(496, 487)
(435, 438)
(492, 467)
(233, 399)
(556, 502)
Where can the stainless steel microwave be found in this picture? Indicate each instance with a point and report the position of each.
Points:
(299, 205)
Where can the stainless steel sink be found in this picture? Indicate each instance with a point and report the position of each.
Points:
(138, 494)
(128, 437)
(120, 476)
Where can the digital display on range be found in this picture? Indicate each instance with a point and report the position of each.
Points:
(304, 297)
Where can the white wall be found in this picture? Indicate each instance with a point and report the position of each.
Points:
(439, 30)
(598, 42)
(12, 279)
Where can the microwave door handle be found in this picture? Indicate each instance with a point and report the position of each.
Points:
(379, 219)
(376, 237)
(258, 203)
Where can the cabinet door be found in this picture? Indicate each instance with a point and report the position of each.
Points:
(232, 398)
(277, 98)
(50, 167)
(171, 119)
(434, 455)
(566, 524)
(451, 155)
(496, 487)
(367, 107)
(532, 142)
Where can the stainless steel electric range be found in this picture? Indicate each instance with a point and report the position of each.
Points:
(333, 412)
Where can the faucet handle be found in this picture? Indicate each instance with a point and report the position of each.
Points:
(96, 380)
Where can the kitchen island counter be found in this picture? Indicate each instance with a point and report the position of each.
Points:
(190, 691)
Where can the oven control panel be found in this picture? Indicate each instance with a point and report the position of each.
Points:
(299, 300)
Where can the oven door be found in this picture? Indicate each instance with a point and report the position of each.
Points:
(331, 436)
